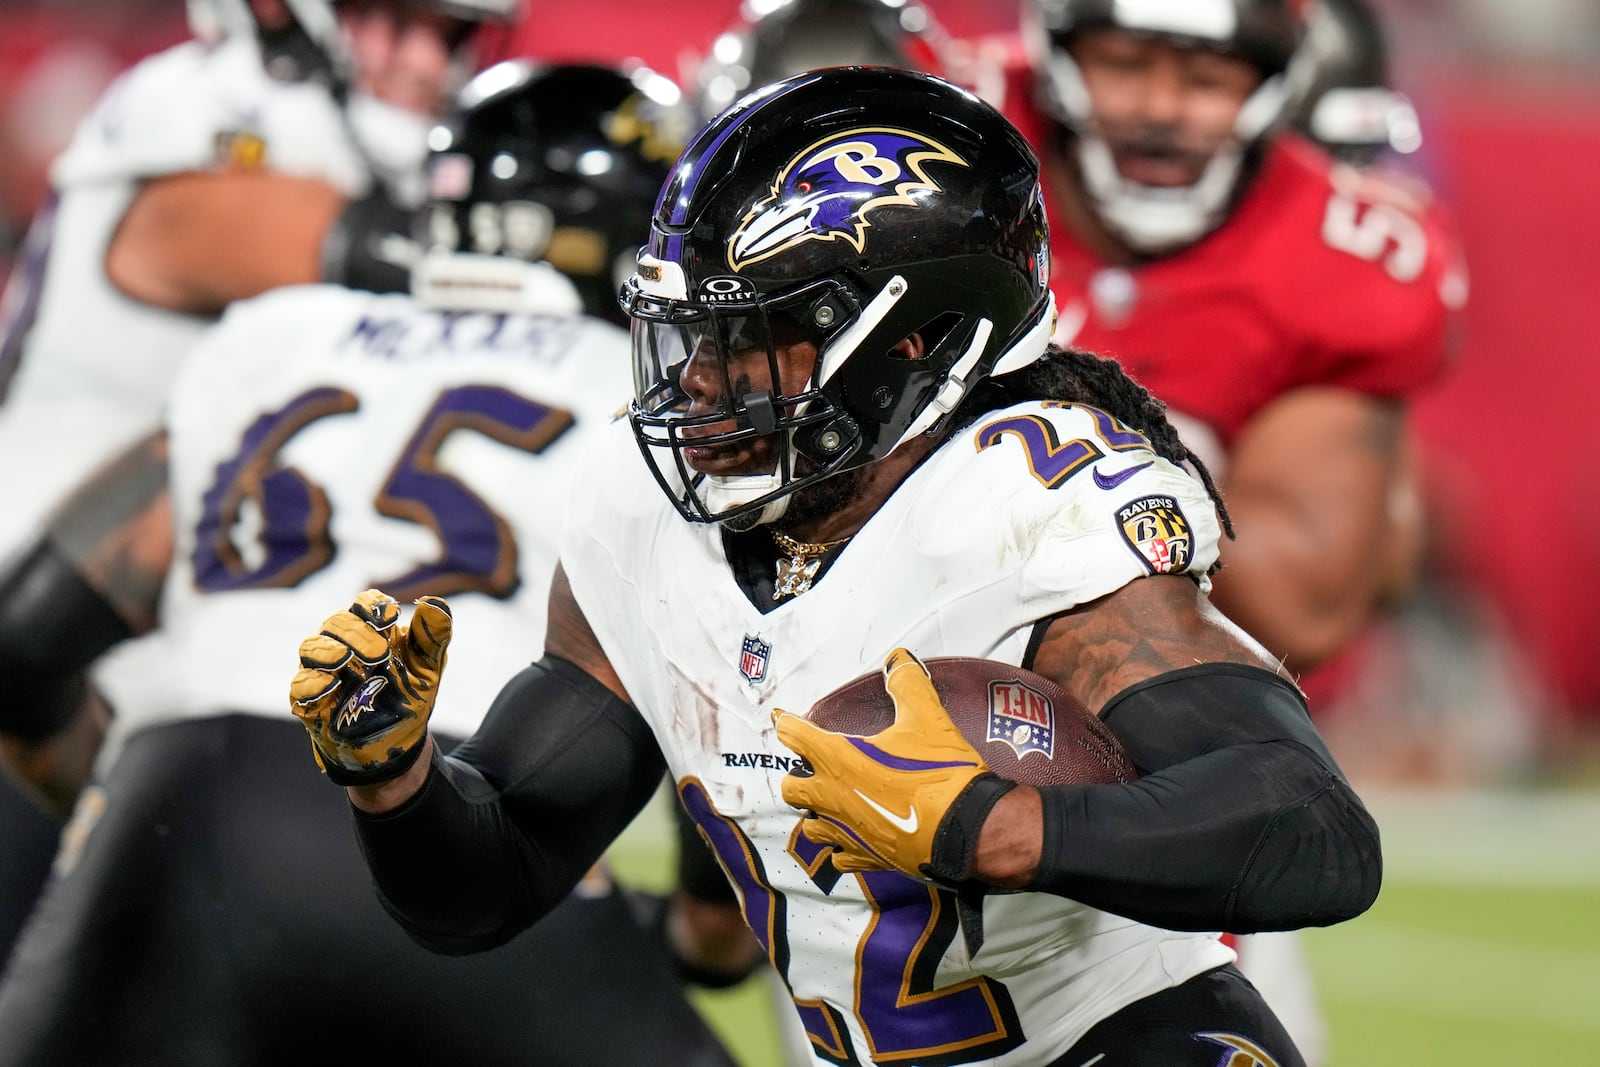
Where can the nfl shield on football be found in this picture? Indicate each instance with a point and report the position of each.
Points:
(1026, 727)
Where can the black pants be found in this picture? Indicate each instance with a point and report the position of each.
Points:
(28, 836)
(221, 915)
(1215, 1019)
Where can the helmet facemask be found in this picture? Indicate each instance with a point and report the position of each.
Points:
(761, 414)
(872, 385)
(843, 209)
(1153, 219)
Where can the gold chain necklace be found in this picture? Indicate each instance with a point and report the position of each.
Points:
(796, 573)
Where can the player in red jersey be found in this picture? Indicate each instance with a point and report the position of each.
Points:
(1284, 305)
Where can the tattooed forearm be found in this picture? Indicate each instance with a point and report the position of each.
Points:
(117, 531)
(1146, 628)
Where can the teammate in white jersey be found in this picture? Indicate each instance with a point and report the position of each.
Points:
(267, 151)
(212, 172)
(201, 912)
(862, 443)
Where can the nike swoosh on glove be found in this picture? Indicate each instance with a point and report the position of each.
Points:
(367, 685)
(880, 800)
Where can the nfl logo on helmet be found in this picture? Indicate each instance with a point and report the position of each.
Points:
(753, 659)
(1023, 718)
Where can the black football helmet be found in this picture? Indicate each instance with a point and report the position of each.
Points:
(1267, 33)
(858, 206)
(774, 39)
(1348, 104)
(545, 171)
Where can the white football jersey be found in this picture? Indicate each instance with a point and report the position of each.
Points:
(1028, 512)
(325, 441)
(97, 363)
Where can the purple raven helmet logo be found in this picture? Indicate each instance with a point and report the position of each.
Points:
(825, 192)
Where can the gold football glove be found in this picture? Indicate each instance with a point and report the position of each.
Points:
(880, 800)
(366, 686)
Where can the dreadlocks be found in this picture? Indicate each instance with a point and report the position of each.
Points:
(1085, 378)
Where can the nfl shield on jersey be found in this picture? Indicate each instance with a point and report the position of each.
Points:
(753, 660)
(875, 963)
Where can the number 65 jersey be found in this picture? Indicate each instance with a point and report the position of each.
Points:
(1026, 513)
(323, 441)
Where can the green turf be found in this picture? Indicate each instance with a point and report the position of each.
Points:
(1467, 959)
(1560, 919)
(743, 1018)
(1463, 976)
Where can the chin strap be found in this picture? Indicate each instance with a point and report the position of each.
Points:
(769, 513)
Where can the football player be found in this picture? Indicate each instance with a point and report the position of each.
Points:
(858, 448)
(269, 150)
(252, 156)
(1284, 305)
(320, 437)
(772, 41)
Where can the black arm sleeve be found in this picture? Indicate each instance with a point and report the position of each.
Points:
(53, 624)
(369, 245)
(1241, 822)
(504, 827)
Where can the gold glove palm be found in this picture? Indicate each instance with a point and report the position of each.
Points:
(880, 799)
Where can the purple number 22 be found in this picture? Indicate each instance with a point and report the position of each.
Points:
(905, 1017)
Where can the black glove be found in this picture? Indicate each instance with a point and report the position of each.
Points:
(370, 245)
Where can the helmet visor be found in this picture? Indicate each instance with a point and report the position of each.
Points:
(724, 376)
(720, 393)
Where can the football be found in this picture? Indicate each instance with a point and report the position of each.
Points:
(1026, 726)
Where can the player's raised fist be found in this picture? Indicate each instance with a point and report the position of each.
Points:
(367, 684)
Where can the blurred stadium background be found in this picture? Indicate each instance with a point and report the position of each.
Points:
(1473, 717)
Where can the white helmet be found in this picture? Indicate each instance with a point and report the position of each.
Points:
(212, 20)
(311, 47)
